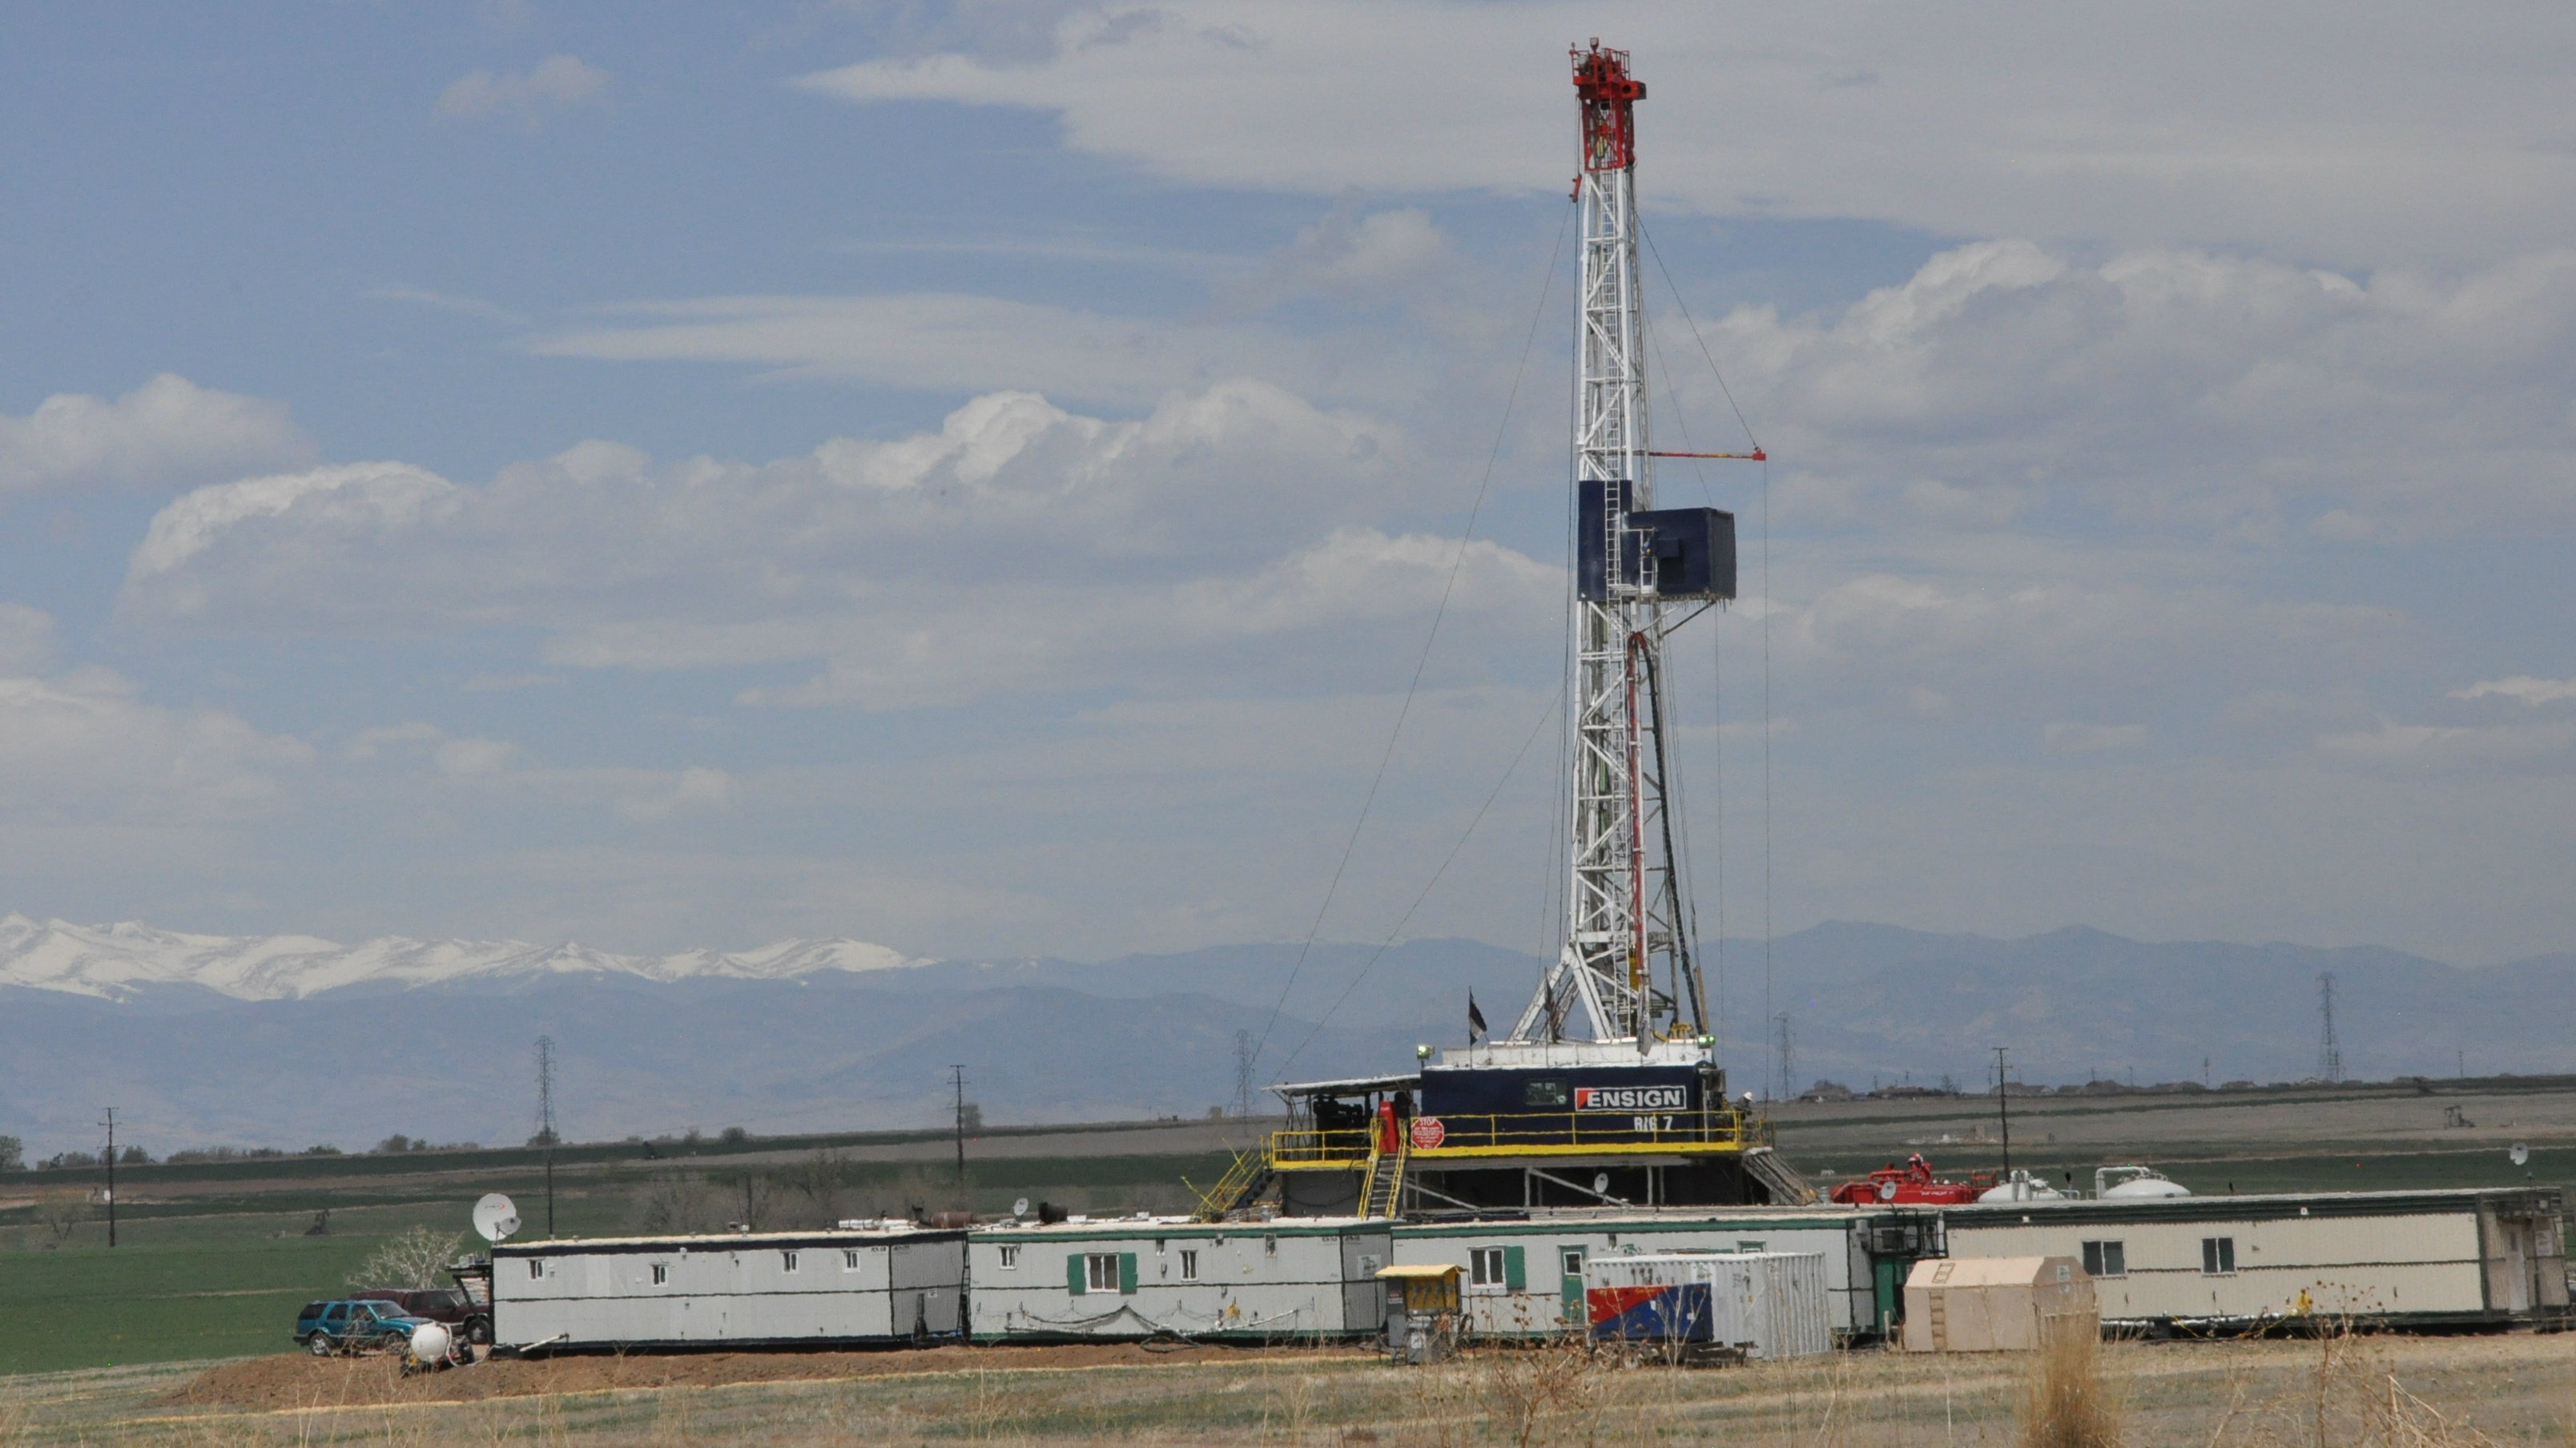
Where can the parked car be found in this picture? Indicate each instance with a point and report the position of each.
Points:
(347, 1325)
(436, 1304)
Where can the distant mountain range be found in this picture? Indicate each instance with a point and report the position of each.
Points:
(289, 1041)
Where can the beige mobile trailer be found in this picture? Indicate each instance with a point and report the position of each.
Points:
(1524, 1272)
(861, 1286)
(2484, 1257)
(1996, 1304)
(1134, 1277)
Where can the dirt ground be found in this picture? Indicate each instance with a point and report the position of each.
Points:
(297, 1380)
(2500, 1391)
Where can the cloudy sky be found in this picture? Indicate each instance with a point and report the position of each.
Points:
(980, 477)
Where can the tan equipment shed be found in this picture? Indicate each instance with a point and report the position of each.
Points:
(1995, 1304)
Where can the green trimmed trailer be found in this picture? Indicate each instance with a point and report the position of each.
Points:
(2489, 1257)
(1133, 1277)
(1524, 1272)
(857, 1286)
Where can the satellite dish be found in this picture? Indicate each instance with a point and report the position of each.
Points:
(1019, 1208)
(2520, 1155)
(495, 1217)
(1601, 1183)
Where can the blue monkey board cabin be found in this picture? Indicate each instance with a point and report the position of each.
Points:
(1521, 1125)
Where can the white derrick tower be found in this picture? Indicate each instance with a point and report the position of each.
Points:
(1627, 971)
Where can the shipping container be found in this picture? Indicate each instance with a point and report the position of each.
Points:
(1133, 1277)
(2437, 1258)
(1761, 1305)
(1524, 1272)
(869, 1285)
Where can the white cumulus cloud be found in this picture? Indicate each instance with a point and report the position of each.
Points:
(168, 433)
(2523, 687)
(2303, 128)
(553, 83)
(1020, 547)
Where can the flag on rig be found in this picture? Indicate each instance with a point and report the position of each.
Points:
(1475, 1020)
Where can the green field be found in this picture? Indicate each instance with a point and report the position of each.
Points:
(214, 1259)
(219, 1272)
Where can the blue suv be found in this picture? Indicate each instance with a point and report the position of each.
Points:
(325, 1328)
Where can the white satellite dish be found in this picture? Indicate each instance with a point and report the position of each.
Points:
(1020, 1208)
(2520, 1155)
(495, 1217)
(1601, 1183)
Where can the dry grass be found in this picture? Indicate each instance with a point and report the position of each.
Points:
(2337, 1392)
(2068, 1401)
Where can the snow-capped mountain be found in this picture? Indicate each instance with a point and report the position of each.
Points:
(117, 962)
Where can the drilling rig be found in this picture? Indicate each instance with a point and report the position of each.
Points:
(1607, 1089)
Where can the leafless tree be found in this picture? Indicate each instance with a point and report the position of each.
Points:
(60, 1214)
(673, 1203)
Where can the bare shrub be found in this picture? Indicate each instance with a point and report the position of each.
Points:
(2068, 1401)
(415, 1258)
(1551, 1392)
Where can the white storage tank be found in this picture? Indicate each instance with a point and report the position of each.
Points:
(1133, 1277)
(862, 1286)
(1764, 1305)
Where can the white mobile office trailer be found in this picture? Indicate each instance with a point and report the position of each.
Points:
(2407, 1259)
(1524, 1274)
(1302, 1277)
(881, 1285)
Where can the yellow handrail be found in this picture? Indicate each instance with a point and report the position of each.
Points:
(1538, 1132)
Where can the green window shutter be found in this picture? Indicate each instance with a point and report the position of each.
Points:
(1127, 1274)
(1515, 1269)
(1073, 1274)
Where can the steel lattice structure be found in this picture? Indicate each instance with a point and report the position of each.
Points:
(1625, 926)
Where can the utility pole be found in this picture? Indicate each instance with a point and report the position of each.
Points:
(546, 1120)
(2003, 1108)
(957, 1073)
(111, 1176)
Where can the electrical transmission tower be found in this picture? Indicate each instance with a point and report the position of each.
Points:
(546, 1120)
(1788, 1069)
(2329, 1055)
(1243, 1075)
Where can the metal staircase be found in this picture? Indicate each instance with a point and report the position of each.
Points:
(1244, 1182)
(1385, 1184)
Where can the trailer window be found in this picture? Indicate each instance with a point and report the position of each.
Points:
(2218, 1256)
(1100, 1271)
(1010, 1258)
(2106, 1259)
(1572, 1261)
(1485, 1266)
(786, 1261)
(536, 1266)
(849, 1259)
(661, 1273)
(1189, 1264)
